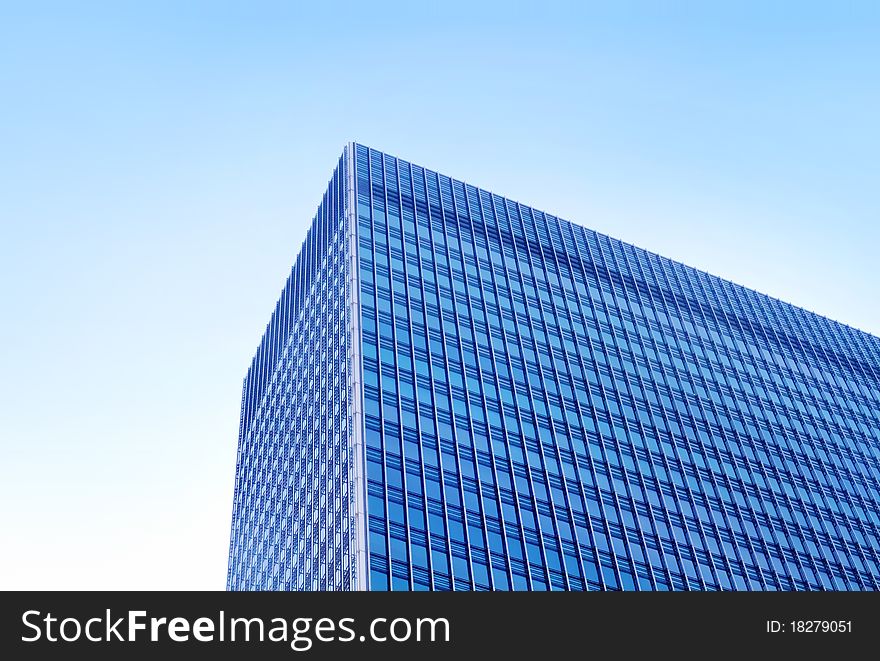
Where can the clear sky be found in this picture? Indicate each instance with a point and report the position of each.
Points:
(160, 163)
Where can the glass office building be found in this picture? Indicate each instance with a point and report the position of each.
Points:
(457, 391)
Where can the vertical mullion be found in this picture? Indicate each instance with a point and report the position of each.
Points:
(453, 321)
(517, 412)
(432, 251)
(541, 323)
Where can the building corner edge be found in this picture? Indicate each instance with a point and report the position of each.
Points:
(359, 479)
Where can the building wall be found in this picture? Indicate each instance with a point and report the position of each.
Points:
(293, 524)
(456, 391)
(549, 408)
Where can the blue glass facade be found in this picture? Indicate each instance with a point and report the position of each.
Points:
(527, 404)
(294, 511)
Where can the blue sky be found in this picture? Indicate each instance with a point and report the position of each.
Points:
(160, 162)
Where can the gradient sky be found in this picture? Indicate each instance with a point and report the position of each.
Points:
(160, 163)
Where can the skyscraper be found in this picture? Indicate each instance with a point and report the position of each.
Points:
(457, 391)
